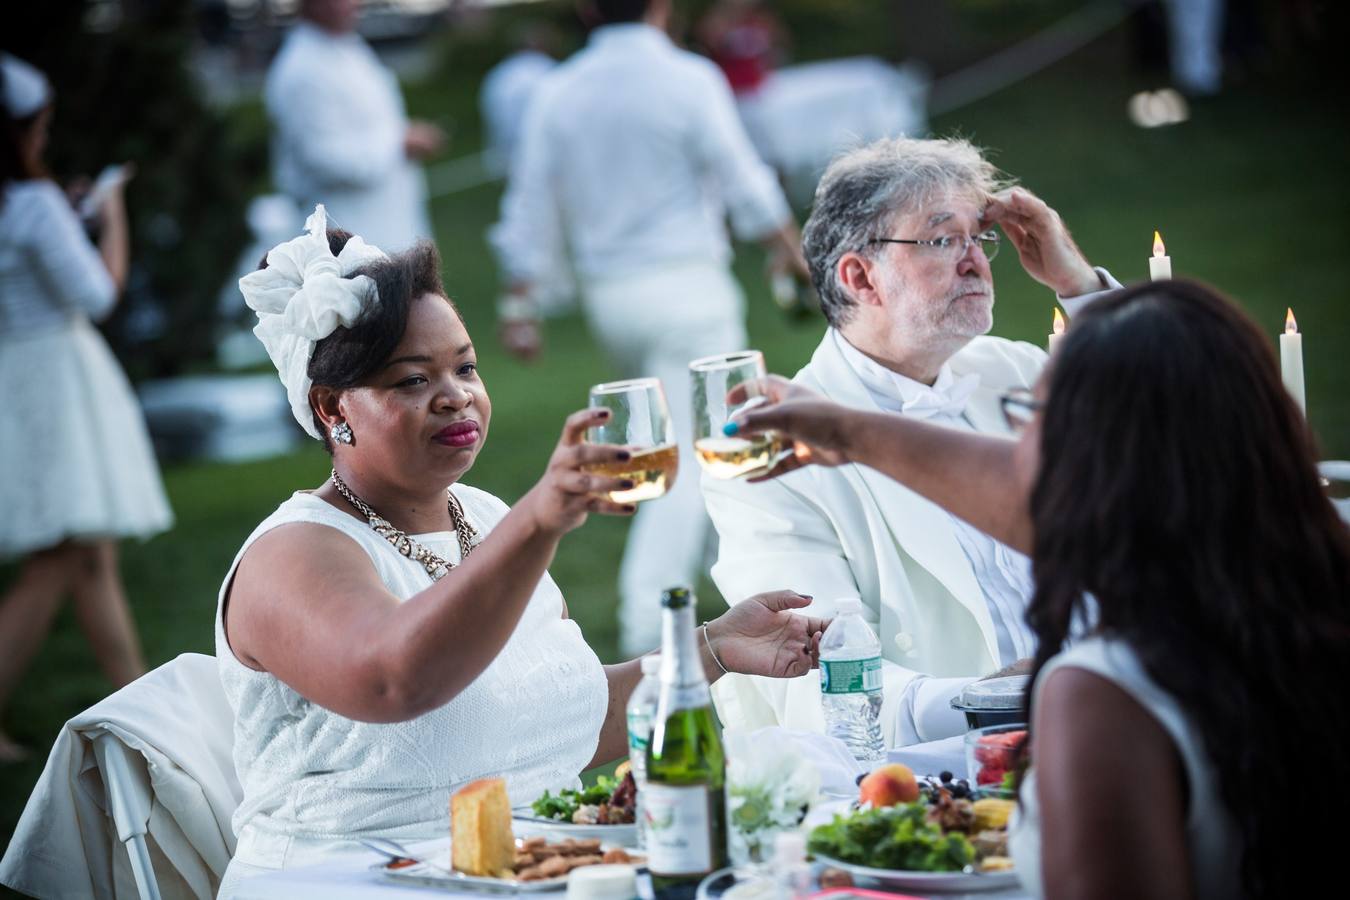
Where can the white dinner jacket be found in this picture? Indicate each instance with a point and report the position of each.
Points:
(851, 531)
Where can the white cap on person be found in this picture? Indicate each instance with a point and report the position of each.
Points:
(25, 89)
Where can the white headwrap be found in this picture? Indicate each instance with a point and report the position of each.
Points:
(26, 89)
(302, 296)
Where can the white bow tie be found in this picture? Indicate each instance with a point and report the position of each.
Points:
(933, 401)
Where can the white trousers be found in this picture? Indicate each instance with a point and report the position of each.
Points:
(1196, 44)
(652, 323)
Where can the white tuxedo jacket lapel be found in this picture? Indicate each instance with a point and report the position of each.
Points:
(920, 527)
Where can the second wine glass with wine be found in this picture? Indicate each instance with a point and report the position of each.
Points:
(722, 456)
(639, 419)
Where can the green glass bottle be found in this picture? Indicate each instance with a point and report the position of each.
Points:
(685, 806)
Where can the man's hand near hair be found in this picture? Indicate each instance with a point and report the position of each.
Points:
(1048, 253)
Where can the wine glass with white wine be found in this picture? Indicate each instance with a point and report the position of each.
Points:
(720, 455)
(639, 419)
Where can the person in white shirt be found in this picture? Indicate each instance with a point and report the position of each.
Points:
(898, 244)
(633, 157)
(507, 90)
(341, 136)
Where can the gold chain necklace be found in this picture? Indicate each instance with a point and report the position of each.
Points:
(436, 567)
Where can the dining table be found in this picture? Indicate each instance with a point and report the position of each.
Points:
(353, 876)
(356, 874)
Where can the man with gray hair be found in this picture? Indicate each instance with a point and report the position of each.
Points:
(898, 243)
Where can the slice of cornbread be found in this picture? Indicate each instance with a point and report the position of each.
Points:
(481, 842)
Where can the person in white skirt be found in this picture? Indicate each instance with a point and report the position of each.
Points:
(76, 468)
(393, 634)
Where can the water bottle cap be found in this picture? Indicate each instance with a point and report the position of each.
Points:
(651, 664)
(847, 606)
(676, 598)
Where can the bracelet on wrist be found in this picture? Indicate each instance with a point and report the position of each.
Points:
(711, 652)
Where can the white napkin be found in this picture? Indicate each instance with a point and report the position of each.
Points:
(838, 769)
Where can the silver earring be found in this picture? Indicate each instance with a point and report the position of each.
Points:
(342, 433)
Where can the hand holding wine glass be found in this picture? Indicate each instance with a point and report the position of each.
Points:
(722, 454)
(819, 430)
(638, 421)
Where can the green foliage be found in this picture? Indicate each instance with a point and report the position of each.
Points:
(128, 94)
(892, 837)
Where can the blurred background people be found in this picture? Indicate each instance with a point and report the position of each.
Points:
(507, 89)
(633, 157)
(745, 39)
(1195, 45)
(76, 469)
(341, 136)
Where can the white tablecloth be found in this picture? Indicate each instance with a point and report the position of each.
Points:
(350, 878)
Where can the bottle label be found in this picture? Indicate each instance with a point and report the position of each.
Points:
(679, 828)
(639, 732)
(850, 676)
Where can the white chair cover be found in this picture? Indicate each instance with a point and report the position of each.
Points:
(178, 730)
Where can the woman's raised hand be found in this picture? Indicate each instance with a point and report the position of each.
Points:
(816, 427)
(562, 498)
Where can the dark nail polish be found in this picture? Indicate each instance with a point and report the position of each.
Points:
(626, 484)
(630, 507)
(623, 456)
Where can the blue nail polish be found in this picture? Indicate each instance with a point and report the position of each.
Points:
(730, 429)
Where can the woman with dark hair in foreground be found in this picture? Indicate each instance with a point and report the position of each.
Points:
(1192, 603)
(393, 634)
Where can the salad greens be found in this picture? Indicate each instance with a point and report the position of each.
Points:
(892, 837)
(566, 802)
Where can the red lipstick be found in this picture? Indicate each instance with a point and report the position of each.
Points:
(458, 434)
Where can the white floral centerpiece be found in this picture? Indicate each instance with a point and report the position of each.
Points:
(770, 787)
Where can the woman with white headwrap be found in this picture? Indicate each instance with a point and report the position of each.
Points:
(393, 634)
(76, 469)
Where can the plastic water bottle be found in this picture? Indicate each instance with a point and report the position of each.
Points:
(641, 708)
(850, 681)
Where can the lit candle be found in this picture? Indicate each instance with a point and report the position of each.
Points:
(1159, 264)
(1056, 332)
(1291, 361)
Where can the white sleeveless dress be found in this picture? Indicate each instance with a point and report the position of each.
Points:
(312, 779)
(1212, 836)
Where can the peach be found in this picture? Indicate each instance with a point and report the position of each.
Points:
(888, 785)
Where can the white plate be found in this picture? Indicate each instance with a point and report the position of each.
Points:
(865, 876)
(431, 876)
(526, 823)
(435, 872)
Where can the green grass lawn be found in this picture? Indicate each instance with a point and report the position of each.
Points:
(1249, 196)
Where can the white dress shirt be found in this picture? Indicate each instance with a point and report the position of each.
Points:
(1004, 574)
(338, 129)
(633, 150)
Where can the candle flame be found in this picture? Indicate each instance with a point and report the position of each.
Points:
(1290, 326)
(1059, 322)
(1158, 248)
